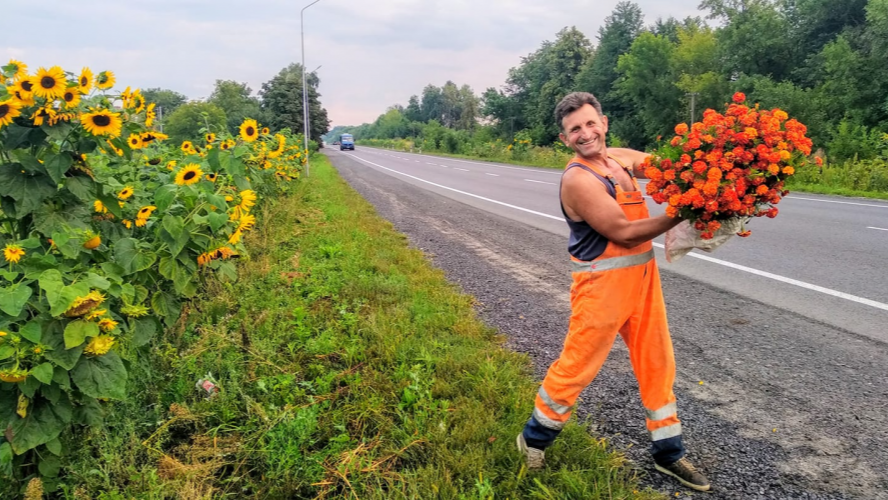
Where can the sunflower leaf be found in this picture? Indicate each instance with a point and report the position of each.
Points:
(14, 298)
(57, 166)
(77, 331)
(45, 421)
(101, 376)
(32, 331)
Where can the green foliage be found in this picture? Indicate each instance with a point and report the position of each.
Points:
(190, 120)
(236, 100)
(166, 99)
(282, 102)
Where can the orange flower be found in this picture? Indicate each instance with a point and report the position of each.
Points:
(681, 129)
(739, 97)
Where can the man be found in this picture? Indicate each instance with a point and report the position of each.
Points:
(616, 289)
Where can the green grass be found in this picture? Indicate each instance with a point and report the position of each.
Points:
(837, 191)
(349, 368)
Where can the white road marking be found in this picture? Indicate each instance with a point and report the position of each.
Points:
(492, 175)
(878, 228)
(464, 170)
(540, 182)
(433, 164)
(757, 272)
(494, 165)
(839, 202)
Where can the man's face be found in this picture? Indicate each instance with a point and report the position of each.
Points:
(585, 132)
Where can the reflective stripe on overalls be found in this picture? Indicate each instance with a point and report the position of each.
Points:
(618, 292)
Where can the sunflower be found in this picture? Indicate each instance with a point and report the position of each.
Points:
(44, 113)
(211, 138)
(171, 164)
(100, 207)
(23, 99)
(134, 311)
(9, 109)
(146, 212)
(235, 237)
(50, 84)
(248, 200)
(13, 253)
(249, 130)
(224, 146)
(246, 223)
(212, 177)
(85, 304)
(141, 222)
(92, 243)
(265, 131)
(102, 122)
(187, 147)
(125, 193)
(189, 174)
(135, 141)
(99, 345)
(25, 86)
(105, 80)
(150, 115)
(20, 69)
(128, 223)
(85, 81)
(71, 98)
(138, 102)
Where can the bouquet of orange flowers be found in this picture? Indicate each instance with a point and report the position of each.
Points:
(719, 173)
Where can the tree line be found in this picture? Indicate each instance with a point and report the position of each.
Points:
(278, 105)
(822, 61)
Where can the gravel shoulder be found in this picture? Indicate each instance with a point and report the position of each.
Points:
(774, 405)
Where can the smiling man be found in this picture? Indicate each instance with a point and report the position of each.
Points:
(616, 289)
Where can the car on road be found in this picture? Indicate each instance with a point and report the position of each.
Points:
(346, 141)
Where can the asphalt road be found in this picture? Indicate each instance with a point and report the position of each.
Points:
(825, 258)
(783, 389)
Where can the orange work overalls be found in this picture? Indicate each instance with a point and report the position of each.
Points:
(617, 292)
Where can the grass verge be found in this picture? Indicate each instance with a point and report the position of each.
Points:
(348, 367)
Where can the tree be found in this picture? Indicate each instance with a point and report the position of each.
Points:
(432, 105)
(282, 102)
(468, 116)
(647, 82)
(167, 100)
(236, 100)
(413, 111)
(615, 38)
(186, 122)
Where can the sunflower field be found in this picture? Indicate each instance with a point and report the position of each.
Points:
(105, 231)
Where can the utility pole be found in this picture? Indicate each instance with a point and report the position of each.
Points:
(693, 96)
(511, 129)
(160, 117)
(304, 88)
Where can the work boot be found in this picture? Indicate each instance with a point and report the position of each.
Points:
(536, 458)
(683, 470)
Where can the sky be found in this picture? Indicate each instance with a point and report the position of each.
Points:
(372, 53)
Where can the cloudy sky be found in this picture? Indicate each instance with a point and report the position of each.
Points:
(372, 53)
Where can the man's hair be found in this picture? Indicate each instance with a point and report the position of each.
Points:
(572, 102)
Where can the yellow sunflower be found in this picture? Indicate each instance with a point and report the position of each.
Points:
(105, 80)
(19, 69)
(102, 122)
(248, 200)
(246, 223)
(211, 138)
(44, 113)
(171, 164)
(235, 237)
(13, 253)
(25, 86)
(265, 131)
(85, 81)
(9, 109)
(99, 345)
(150, 115)
(138, 102)
(249, 130)
(50, 83)
(135, 141)
(187, 147)
(145, 212)
(189, 174)
(224, 146)
(212, 177)
(23, 99)
(71, 98)
(125, 193)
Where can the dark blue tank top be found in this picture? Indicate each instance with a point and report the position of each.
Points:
(586, 243)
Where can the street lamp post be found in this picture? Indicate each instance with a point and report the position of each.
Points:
(304, 88)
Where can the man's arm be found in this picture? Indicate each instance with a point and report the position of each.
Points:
(586, 196)
(631, 158)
